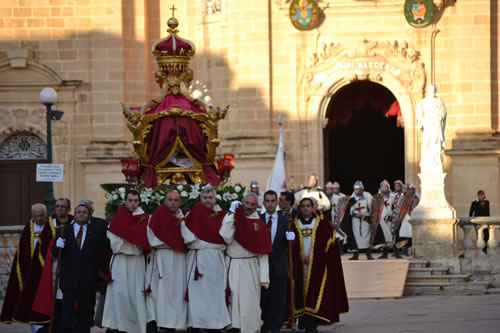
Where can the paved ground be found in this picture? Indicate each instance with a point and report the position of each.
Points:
(440, 314)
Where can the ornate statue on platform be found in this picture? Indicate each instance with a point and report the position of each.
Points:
(175, 135)
(431, 117)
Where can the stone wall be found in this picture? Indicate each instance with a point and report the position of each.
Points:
(249, 56)
(9, 237)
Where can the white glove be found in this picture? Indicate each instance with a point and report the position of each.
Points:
(60, 243)
(234, 205)
(290, 235)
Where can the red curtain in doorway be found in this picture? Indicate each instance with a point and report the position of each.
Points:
(357, 95)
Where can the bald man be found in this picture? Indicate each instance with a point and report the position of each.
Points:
(27, 269)
(166, 268)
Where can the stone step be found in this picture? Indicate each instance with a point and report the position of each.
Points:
(495, 291)
(447, 278)
(418, 263)
(427, 271)
(446, 288)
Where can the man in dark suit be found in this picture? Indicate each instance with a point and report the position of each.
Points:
(81, 250)
(273, 299)
(93, 219)
(481, 207)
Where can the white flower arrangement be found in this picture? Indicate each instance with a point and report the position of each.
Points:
(190, 195)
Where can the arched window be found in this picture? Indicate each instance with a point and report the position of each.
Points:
(23, 147)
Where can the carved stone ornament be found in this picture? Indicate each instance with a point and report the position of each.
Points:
(369, 60)
(23, 147)
(210, 7)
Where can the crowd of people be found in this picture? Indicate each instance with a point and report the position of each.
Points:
(364, 222)
(239, 270)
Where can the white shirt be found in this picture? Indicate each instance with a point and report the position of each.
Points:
(274, 226)
(76, 228)
(37, 228)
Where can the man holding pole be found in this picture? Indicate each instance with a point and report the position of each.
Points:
(79, 248)
(248, 245)
(166, 268)
(319, 293)
(273, 299)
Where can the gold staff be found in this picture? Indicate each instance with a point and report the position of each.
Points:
(290, 268)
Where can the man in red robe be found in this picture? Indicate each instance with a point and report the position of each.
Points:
(166, 268)
(27, 269)
(125, 304)
(205, 266)
(318, 269)
(248, 245)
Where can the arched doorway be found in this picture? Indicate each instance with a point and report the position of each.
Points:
(19, 155)
(364, 139)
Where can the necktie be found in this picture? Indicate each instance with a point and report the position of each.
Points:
(79, 237)
(270, 225)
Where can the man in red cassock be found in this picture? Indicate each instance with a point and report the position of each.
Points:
(318, 269)
(125, 304)
(248, 244)
(27, 269)
(205, 266)
(166, 268)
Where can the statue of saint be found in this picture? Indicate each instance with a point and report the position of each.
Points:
(431, 120)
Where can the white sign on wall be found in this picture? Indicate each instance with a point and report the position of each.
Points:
(49, 172)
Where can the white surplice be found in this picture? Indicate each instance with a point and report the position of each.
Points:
(125, 305)
(207, 300)
(166, 276)
(247, 271)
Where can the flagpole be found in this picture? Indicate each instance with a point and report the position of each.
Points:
(290, 270)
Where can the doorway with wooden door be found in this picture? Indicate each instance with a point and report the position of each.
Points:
(19, 155)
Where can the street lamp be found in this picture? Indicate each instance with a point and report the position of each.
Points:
(48, 96)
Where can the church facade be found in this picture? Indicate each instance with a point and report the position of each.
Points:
(347, 89)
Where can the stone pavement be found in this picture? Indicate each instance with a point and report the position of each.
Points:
(430, 314)
(479, 313)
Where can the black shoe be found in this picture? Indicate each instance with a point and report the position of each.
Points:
(369, 254)
(384, 254)
(405, 251)
(151, 327)
(355, 256)
(397, 254)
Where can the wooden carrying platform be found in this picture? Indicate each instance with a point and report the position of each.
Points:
(374, 278)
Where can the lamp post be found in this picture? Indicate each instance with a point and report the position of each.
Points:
(48, 97)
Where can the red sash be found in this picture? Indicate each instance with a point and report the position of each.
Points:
(43, 299)
(165, 226)
(130, 227)
(205, 223)
(251, 233)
